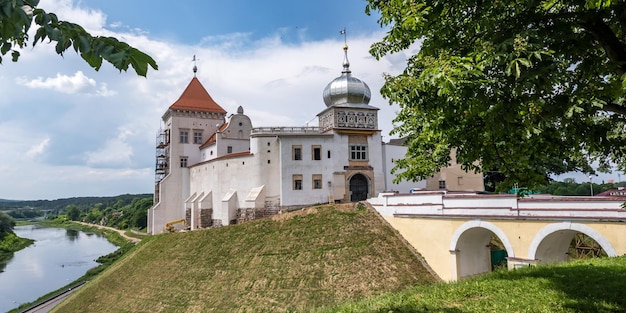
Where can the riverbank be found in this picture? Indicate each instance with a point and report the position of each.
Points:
(114, 236)
(9, 244)
(119, 231)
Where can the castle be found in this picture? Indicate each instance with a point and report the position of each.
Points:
(212, 170)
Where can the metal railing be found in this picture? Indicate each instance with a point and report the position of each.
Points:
(287, 130)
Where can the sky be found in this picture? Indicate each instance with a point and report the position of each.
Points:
(71, 131)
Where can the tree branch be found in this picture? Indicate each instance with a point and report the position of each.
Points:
(613, 47)
(615, 108)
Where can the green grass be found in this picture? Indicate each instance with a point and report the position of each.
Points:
(593, 285)
(318, 257)
(329, 260)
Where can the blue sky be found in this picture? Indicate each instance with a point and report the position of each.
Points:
(190, 21)
(69, 131)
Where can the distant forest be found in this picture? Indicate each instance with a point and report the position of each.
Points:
(569, 187)
(122, 212)
(60, 204)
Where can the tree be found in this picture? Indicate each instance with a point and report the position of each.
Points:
(94, 216)
(528, 88)
(6, 224)
(140, 219)
(17, 17)
(72, 212)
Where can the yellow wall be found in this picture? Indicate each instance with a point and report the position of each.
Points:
(433, 237)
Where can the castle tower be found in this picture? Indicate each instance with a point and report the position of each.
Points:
(355, 124)
(347, 100)
(188, 123)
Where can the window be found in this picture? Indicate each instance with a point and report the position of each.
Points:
(329, 154)
(317, 152)
(297, 182)
(442, 184)
(317, 181)
(229, 149)
(183, 161)
(296, 152)
(197, 137)
(358, 152)
(184, 136)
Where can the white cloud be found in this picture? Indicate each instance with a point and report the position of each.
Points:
(90, 19)
(103, 91)
(38, 149)
(116, 152)
(79, 82)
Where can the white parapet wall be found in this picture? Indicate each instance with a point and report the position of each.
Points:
(467, 205)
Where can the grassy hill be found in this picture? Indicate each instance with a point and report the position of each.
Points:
(592, 285)
(317, 257)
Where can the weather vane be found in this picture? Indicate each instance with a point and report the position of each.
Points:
(195, 68)
(343, 32)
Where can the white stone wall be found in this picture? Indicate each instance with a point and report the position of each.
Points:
(174, 188)
(307, 167)
(391, 153)
(376, 161)
(267, 165)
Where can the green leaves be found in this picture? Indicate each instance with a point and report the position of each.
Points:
(524, 87)
(16, 17)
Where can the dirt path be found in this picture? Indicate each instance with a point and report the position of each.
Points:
(121, 232)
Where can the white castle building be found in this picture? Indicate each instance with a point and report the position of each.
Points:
(212, 170)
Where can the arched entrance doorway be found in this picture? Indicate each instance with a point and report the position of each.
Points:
(358, 188)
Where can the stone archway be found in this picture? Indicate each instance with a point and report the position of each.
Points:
(359, 188)
(551, 243)
(469, 248)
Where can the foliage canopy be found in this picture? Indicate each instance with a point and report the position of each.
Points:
(17, 17)
(6, 224)
(527, 88)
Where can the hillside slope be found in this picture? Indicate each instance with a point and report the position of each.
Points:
(315, 257)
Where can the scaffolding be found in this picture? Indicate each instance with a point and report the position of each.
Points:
(162, 156)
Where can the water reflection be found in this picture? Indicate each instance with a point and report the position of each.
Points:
(57, 258)
(72, 234)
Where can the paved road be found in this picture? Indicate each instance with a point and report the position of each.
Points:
(51, 303)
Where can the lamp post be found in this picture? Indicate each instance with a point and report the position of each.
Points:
(591, 184)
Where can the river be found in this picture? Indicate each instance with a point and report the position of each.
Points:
(58, 257)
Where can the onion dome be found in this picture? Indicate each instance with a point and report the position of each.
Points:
(346, 90)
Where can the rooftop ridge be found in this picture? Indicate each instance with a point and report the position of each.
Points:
(196, 98)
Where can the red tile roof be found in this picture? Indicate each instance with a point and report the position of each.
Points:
(196, 98)
(226, 156)
(211, 140)
(213, 137)
(233, 155)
